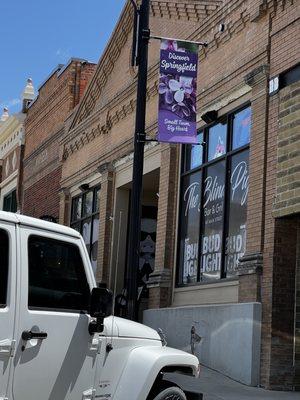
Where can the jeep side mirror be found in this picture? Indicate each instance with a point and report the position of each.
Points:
(100, 307)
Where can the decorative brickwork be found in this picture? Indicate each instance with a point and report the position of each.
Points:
(192, 11)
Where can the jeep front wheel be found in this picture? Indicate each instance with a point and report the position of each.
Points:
(171, 393)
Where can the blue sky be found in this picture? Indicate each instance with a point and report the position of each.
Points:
(37, 35)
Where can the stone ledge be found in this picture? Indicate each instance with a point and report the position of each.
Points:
(258, 75)
(105, 167)
(250, 264)
(161, 278)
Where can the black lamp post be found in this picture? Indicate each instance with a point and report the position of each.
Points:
(142, 35)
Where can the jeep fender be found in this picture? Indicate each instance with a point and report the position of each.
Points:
(143, 366)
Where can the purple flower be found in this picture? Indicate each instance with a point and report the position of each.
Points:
(181, 88)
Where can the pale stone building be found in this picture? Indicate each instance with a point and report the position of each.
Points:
(12, 137)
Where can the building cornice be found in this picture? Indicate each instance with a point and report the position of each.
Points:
(11, 134)
(9, 179)
(183, 10)
(10, 125)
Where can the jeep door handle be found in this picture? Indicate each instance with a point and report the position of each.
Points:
(28, 335)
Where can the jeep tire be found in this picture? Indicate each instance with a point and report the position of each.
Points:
(171, 393)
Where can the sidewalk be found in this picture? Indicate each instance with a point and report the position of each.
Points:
(216, 386)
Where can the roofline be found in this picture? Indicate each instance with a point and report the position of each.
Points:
(56, 69)
(59, 69)
(75, 59)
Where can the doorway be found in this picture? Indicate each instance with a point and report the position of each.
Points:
(149, 209)
(297, 314)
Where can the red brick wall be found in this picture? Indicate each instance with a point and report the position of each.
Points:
(87, 72)
(44, 127)
(56, 98)
(42, 198)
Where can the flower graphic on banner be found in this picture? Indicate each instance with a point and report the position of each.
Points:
(178, 94)
(181, 88)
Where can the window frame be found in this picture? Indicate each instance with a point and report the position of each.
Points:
(61, 241)
(95, 213)
(227, 157)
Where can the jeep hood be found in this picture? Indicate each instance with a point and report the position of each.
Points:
(115, 326)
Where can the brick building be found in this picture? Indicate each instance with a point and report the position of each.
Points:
(44, 125)
(12, 136)
(220, 221)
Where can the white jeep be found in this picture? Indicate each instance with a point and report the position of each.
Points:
(57, 340)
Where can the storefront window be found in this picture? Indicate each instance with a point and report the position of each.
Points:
(190, 224)
(237, 212)
(213, 213)
(213, 202)
(85, 219)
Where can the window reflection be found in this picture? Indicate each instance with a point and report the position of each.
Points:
(88, 204)
(217, 141)
(194, 153)
(241, 128)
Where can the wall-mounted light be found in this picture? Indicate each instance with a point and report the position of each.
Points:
(84, 187)
(210, 116)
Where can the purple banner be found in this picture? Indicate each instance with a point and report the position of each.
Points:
(177, 92)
